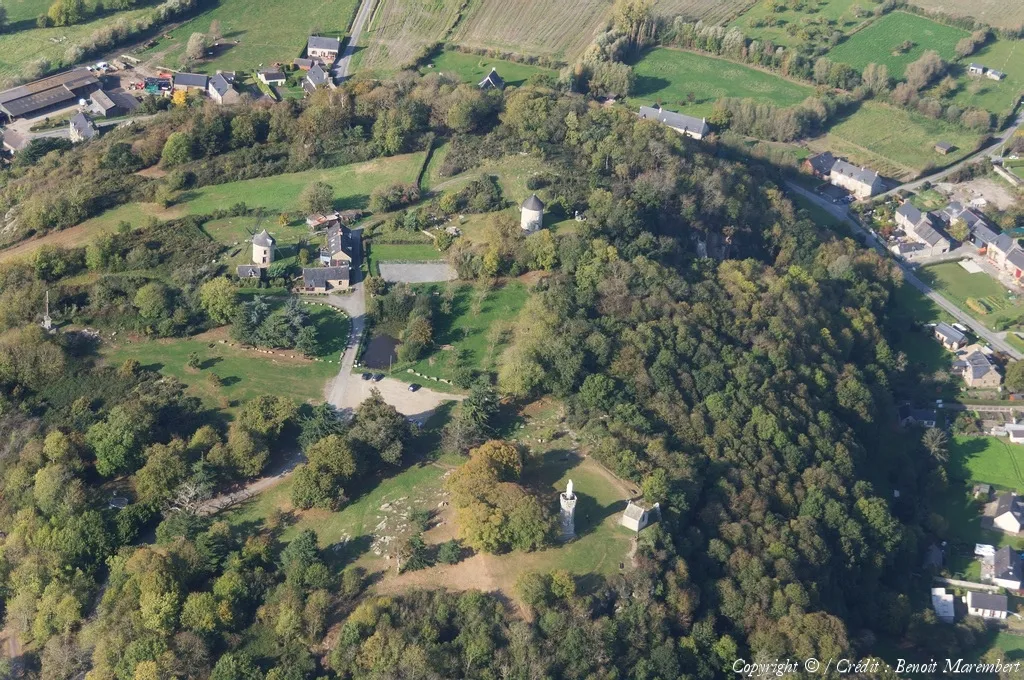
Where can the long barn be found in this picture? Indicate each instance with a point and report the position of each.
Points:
(47, 94)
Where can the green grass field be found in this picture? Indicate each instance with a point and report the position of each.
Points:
(669, 75)
(473, 68)
(987, 460)
(1001, 96)
(957, 284)
(20, 47)
(888, 138)
(786, 27)
(877, 42)
(25, 10)
(266, 31)
(477, 335)
(244, 374)
(402, 252)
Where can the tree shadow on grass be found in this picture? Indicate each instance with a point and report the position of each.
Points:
(155, 367)
(341, 553)
(210, 363)
(647, 86)
(229, 380)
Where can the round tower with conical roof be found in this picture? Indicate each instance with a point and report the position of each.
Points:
(531, 214)
(263, 246)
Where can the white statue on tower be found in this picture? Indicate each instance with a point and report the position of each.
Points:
(567, 501)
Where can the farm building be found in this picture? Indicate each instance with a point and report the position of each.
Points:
(859, 181)
(951, 338)
(820, 165)
(271, 76)
(943, 147)
(323, 279)
(341, 246)
(189, 81)
(695, 128)
(304, 64)
(322, 47)
(493, 81)
(976, 69)
(993, 74)
(81, 129)
(263, 248)
(986, 605)
(111, 104)
(48, 94)
(222, 89)
(1006, 568)
(531, 214)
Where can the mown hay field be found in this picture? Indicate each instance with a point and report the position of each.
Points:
(670, 75)
(558, 29)
(902, 138)
(708, 11)
(879, 42)
(265, 30)
(998, 13)
(400, 32)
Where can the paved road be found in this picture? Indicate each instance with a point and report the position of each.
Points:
(341, 68)
(997, 142)
(996, 340)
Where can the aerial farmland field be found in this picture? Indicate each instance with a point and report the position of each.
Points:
(708, 11)
(879, 43)
(400, 31)
(998, 13)
(788, 26)
(669, 75)
(560, 30)
(472, 68)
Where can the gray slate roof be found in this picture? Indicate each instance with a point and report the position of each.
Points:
(1005, 502)
(1006, 564)
(249, 271)
(1003, 243)
(1016, 258)
(634, 511)
(320, 42)
(909, 211)
(862, 175)
(191, 79)
(339, 240)
(263, 239)
(102, 100)
(679, 121)
(492, 81)
(822, 163)
(945, 146)
(317, 75)
(951, 334)
(988, 601)
(978, 365)
(317, 277)
(220, 84)
(272, 74)
(83, 126)
(533, 203)
(45, 92)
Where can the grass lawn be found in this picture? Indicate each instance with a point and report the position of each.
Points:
(783, 27)
(878, 42)
(919, 344)
(988, 460)
(472, 68)
(266, 31)
(669, 75)
(401, 252)
(244, 374)
(999, 97)
(23, 43)
(888, 138)
(512, 173)
(930, 199)
(475, 335)
(956, 283)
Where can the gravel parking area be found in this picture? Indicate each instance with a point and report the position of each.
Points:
(417, 272)
(417, 405)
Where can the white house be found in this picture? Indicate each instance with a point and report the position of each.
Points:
(1015, 432)
(986, 605)
(943, 604)
(531, 216)
(635, 517)
(695, 128)
(323, 47)
(263, 247)
(1006, 568)
(1008, 516)
(272, 76)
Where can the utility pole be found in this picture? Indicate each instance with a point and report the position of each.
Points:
(47, 321)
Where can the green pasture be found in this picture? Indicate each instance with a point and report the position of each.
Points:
(473, 68)
(956, 283)
(790, 26)
(879, 42)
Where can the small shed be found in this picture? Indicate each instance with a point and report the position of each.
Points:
(635, 517)
(493, 81)
(943, 147)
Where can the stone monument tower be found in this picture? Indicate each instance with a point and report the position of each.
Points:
(567, 501)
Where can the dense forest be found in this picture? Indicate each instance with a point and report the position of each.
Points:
(711, 343)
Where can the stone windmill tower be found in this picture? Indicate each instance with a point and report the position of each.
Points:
(567, 503)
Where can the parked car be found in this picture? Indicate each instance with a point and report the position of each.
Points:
(378, 377)
(367, 376)
(413, 387)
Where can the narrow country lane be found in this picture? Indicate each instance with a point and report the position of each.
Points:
(342, 67)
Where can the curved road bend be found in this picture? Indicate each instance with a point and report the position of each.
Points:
(840, 212)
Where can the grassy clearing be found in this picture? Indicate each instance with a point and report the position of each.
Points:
(19, 47)
(266, 31)
(560, 30)
(670, 75)
(910, 307)
(713, 12)
(999, 13)
(899, 138)
(405, 252)
(477, 333)
(784, 27)
(512, 173)
(880, 41)
(954, 282)
(987, 460)
(1001, 96)
(473, 68)
(244, 374)
(401, 31)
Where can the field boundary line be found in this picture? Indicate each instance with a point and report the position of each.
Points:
(752, 67)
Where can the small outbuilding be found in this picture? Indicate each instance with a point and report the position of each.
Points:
(531, 214)
(190, 81)
(272, 76)
(493, 81)
(943, 147)
(635, 517)
(249, 271)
